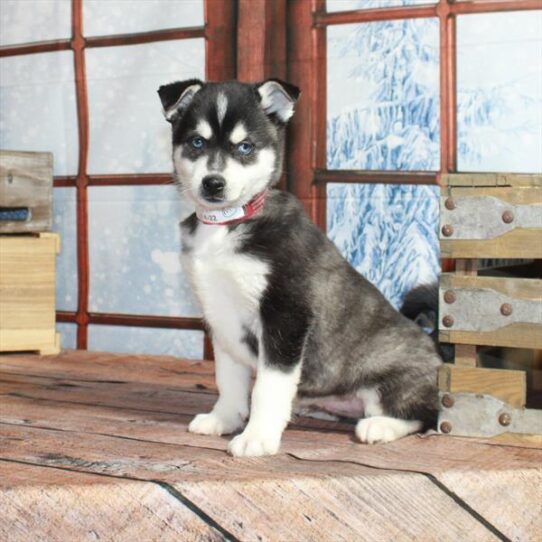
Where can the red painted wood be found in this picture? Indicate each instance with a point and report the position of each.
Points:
(78, 46)
(321, 18)
(220, 18)
(275, 39)
(261, 44)
(66, 317)
(448, 91)
(387, 177)
(319, 112)
(486, 6)
(251, 38)
(261, 40)
(32, 48)
(131, 179)
(139, 320)
(301, 72)
(208, 352)
(145, 37)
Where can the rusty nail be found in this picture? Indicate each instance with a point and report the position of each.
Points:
(506, 309)
(445, 427)
(447, 230)
(449, 296)
(507, 217)
(447, 401)
(448, 321)
(449, 204)
(505, 419)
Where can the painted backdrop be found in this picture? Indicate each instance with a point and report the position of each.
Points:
(383, 113)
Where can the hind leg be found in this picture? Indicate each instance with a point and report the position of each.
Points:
(379, 427)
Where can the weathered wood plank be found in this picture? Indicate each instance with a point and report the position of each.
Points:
(164, 461)
(514, 504)
(431, 454)
(364, 508)
(127, 399)
(509, 386)
(491, 179)
(40, 503)
(102, 366)
(129, 395)
(144, 460)
(490, 311)
(26, 180)
(27, 292)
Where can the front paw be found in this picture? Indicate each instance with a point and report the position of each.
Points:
(253, 444)
(213, 424)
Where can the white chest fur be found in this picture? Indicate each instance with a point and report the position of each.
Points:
(229, 286)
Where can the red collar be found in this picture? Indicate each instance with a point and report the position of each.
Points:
(232, 215)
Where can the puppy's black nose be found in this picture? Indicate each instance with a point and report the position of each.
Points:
(213, 186)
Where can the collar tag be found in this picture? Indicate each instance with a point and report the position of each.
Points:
(231, 215)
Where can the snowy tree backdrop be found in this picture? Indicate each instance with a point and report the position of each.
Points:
(383, 114)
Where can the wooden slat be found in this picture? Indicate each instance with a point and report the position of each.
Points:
(27, 292)
(115, 367)
(491, 179)
(41, 503)
(466, 355)
(514, 506)
(508, 386)
(361, 508)
(518, 243)
(516, 334)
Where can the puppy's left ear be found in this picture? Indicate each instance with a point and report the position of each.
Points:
(278, 98)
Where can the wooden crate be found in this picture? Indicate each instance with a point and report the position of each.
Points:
(27, 293)
(26, 191)
(488, 216)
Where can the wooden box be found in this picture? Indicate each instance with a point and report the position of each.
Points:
(489, 215)
(27, 293)
(26, 196)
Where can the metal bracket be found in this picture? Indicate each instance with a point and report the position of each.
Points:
(484, 309)
(474, 415)
(485, 217)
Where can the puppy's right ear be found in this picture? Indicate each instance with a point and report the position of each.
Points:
(176, 97)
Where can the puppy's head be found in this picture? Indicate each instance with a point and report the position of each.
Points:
(227, 137)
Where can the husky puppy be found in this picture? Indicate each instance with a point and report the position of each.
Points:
(277, 295)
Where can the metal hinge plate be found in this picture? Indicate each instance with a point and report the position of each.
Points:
(474, 415)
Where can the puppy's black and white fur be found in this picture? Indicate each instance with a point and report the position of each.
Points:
(277, 295)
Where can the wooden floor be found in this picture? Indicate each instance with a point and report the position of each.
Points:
(94, 447)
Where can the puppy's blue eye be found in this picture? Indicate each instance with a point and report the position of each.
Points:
(197, 142)
(245, 148)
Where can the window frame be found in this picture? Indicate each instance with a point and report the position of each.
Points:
(307, 68)
(218, 31)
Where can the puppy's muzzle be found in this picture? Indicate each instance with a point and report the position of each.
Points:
(212, 187)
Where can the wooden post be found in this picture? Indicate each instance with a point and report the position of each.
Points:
(465, 354)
